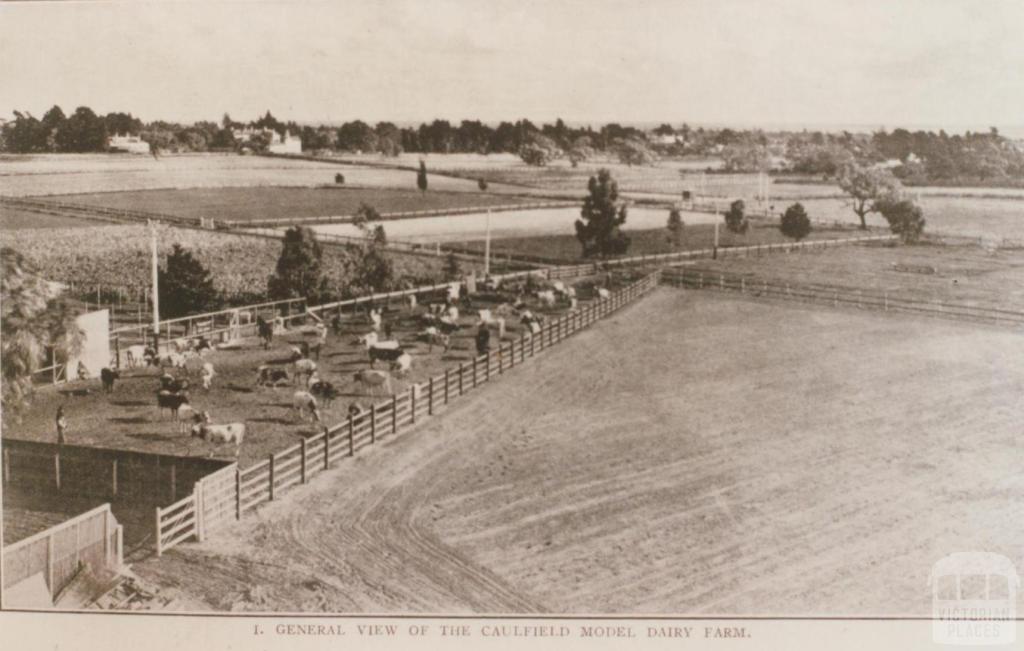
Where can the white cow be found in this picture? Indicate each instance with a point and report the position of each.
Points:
(227, 433)
(402, 365)
(603, 293)
(489, 319)
(206, 374)
(371, 379)
(303, 368)
(135, 355)
(303, 401)
(547, 297)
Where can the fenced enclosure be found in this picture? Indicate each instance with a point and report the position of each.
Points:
(93, 538)
(838, 296)
(231, 491)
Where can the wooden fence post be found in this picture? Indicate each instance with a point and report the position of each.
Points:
(174, 484)
(113, 478)
(373, 424)
(394, 414)
(302, 461)
(412, 402)
(271, 478)
(446, 378)
(475, 360)
(430, 397)
(56, 470)
(7, 465)
(238, 493)
(512, 353)
(159, 546)
(351, 436)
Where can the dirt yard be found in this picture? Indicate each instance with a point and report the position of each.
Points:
(129, 419)
(666, 460)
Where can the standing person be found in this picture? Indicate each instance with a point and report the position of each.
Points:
(62, 426)
(387, 330)
(483, 340)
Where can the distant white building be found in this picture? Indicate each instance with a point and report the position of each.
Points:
(286, 144)
(279, 144)
(128, 144)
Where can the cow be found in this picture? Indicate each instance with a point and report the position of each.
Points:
(453, 292)
(271, 377)
(193, 363)
(265, 330)
(603, 293)
(307, 350)
(303, 368)
(371, 379)
(402, 365)
(135, 355)
(486, 318)
(173, 359)
(326, 391)
(207, 373)
(302, 401)
(173, 385)
(171, 401)
(531, 321)
(226, 433)
(546, 297)
(189, 416)
(435, 337)
(107, 376)
(387, 351)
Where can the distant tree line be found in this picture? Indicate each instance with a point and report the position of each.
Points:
(985, 158)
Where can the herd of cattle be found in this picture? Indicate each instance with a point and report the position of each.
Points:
(187, 360)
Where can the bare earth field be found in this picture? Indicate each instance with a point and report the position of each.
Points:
(45, 174)
(699, 469)
(964, 274)
(129, 419)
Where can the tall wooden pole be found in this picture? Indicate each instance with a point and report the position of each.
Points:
(156, 293)
(487, 246)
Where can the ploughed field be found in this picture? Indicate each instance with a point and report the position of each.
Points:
(129, 418)
(961, 274)
(566, 248)
(693, 453)
(251, 203)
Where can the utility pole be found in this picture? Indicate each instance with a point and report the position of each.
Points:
(487, 246)
(155, 293)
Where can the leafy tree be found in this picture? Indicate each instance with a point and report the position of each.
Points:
(24, 134)
(795, 223)
(745, 157)
(299, 272)
(735, 219)
(538, 151)
(364, 215)
(84, 131)
(33, 317)
(339, 178)
(905, 218)
(599, 229)
(185, 285)
(634, 151)
(582, 148)
(52, 123)
(482, 184)
(675, 227)
(421, 177)
(868, 186)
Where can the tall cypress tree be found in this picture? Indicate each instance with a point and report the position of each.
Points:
(299, 271)
(185, 285)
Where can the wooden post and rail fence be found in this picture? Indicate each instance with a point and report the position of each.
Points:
(230, 492)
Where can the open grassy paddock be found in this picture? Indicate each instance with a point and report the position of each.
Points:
(565, 247)
(965, 274)
(240, 204)
(129, 419)
(693, 453)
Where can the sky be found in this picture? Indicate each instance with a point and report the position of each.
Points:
(768, 63)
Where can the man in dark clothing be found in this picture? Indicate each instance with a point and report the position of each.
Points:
(483, 340)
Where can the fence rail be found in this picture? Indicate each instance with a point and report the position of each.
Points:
(839, 296)
(94, 538)
(230, 492)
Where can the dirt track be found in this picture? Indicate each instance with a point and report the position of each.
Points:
(666, 460)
